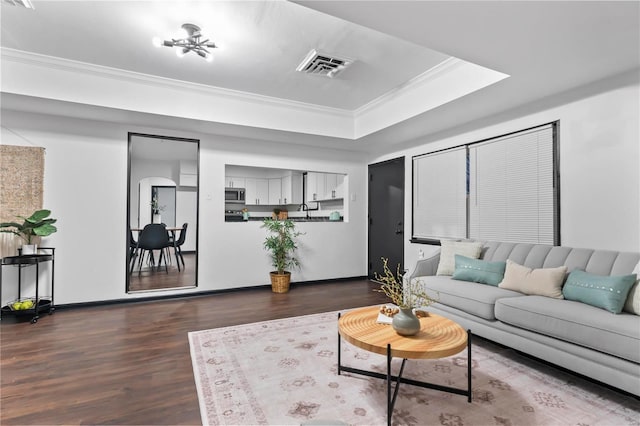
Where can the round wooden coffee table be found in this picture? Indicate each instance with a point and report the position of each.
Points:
(438, 337)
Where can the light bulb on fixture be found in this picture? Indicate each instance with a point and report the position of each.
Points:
(156, 41)
(206, 55)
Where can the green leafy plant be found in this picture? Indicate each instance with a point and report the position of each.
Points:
(39, 224)
(403, 293)
(281, 243)
(155, 207)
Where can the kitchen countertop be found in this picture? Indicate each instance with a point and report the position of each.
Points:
(299, 219)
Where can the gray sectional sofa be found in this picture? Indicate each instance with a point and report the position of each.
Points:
(579, 337)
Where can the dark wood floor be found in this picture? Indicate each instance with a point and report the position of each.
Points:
(152, 279)
(130, 364)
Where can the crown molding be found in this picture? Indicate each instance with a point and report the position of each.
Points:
(423, 79)
(68, 65)
(448, 80)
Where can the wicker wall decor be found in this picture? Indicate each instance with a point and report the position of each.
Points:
(21, 188)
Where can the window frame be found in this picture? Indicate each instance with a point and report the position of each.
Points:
(555, 128)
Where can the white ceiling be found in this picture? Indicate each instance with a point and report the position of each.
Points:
(261, 44)
(547, 48)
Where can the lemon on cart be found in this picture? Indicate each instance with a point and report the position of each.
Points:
(22, 305)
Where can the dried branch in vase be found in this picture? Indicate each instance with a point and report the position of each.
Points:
(403, 293)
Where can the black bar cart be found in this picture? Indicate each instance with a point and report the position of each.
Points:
(37, 304)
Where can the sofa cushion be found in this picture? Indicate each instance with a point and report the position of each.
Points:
(541, 282)
(574, 322)
(478, 271)
(632, 305)
(473, 298)
(604, 292)
(450, 248)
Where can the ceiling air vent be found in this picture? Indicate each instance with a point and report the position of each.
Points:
(321, 64)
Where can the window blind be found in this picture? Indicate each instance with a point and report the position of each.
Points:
(439, 194)
(511, 188)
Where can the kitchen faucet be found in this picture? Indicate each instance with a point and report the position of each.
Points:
(304, 208)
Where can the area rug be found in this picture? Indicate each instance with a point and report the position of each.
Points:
(284, 372)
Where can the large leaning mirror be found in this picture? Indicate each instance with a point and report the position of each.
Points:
(162, 213)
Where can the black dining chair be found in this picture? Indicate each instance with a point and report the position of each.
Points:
(154, 236)
(132, 248)
(177, 245)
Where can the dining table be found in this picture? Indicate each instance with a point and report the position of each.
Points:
(169, 228)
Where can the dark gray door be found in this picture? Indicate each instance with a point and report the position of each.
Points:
(386, 214)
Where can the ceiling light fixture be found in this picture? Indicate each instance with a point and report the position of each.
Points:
(23, 3)
(191, 43)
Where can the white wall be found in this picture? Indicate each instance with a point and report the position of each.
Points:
(599, 168)
(86, 188)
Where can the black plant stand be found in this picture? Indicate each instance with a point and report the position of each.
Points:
(23, 261)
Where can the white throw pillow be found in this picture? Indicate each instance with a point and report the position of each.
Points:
(541, 282)
(448, 251)
(632, 305)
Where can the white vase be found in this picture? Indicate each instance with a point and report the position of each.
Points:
(157, 218)
(29, 249)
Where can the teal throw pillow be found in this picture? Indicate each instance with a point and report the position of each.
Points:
(478, 271)
(606, 292)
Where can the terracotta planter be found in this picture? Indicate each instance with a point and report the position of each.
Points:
(280, 282)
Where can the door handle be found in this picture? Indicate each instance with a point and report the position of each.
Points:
(399, 229)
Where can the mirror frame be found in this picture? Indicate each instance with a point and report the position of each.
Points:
(131, 135)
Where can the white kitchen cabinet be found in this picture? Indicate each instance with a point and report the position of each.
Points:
(316, 186)
(188, 180)
(286, 189)
(292, 189)
(275, 191)
(330, 180)
(257, 191)
(235, 182)
(188, 173)
(324, 186)
(334, 186)
(339, 191)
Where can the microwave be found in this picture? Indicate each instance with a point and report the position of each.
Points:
(234, 195)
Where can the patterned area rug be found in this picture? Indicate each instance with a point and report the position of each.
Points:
(283, 372)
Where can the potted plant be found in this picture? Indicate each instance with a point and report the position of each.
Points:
(156, 209)
(39, 224)
(281, 243)
(406, 295)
